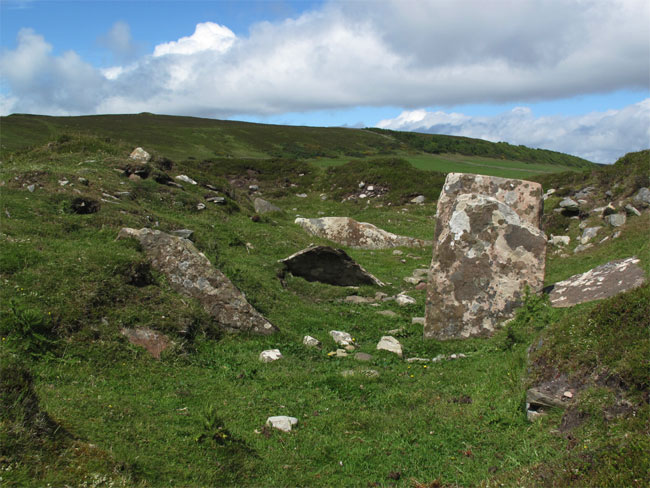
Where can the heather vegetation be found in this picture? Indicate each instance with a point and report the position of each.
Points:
(82, 406)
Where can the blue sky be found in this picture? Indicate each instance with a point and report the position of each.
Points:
(567, 75)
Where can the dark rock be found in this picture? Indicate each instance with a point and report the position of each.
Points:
(189, 272)
(84, 206)
(601, 282)
(328, 265)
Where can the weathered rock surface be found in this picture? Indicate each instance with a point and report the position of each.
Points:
(589, 233)
(282, 422)
(560, 240)
(390, 344)
(642, 197)
(328, 265)
(487, 249)
(152, 341)
(616, 220)
(186, 179)
(311, 341)
(189, 272)
(341, 338)
(262, 206)
(601, 282)
(360, 235)
(140, 154)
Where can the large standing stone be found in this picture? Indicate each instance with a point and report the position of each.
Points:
(328, 265)
(601, 282)
(189, 272)
(360, 235)
(488, 247)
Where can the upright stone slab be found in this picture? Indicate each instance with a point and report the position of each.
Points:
(488, 247)
(189, 272)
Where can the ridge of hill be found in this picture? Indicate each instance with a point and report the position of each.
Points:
(189, 137)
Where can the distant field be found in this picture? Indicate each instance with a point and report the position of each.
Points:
(448, 163)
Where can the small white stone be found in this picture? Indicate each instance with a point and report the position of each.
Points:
(270, 355)
(403, 300)
(390, 344)
(282, 422)
(341, 338)
(567, 394)
(311, 341)
(186, 179)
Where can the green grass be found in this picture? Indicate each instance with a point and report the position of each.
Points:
(137, 421)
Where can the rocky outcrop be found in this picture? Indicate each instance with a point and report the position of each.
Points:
(601, 282)
(488, 248)
(360, 235)
(189, 272)
(328, 265)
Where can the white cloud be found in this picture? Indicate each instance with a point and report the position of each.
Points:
(601, 137)
(119, 41)
(207, 36)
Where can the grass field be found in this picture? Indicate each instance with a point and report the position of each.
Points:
(196, 417)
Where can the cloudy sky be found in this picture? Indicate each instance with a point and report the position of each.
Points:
(567, 75)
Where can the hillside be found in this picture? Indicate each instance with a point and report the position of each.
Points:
(82, 406)
(189, 137)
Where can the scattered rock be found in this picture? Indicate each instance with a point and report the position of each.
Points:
(582, 247)
(368, 373)
(328, 265)
(585, 192)
(311, 341)
(282, 422)
(616, 234)
(642, 197)
(616, 220)
(560, 240)
(200, 206)
(189, 272)
(270, 355)
(262, 206)
(390, 344)
(363, 356)
(403, 300)
(357, 300)
(186, 179)
(589, 233)
(538, 402)
(140, 154)
(63, 182)
(216, 200)
(488, 249)
(418, 360)
(84, 206)
(154, 342)
(388, 313)
(601, 282)
(339, 353)
(301, 195)
(548, 193)
(359, 235)
(570, 206)
(397, 252)
(609, 210)
(418, 199)
(417, 320)
(31, 188)
(341, 338)
(253, 187)
(631, 210)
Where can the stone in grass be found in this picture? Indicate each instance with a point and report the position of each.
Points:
(270, 355)
(186, 179)
(311, 341)
(631, 210)
(616, 220)
(363, 356)
(154, 342)
(262, 206)
(140, 154)
(184, 233)
(390, 344)
(341, 338)
(282, 422)
(417, 320)
(368, 373)
(643, 197)
(404, 300)
(387, 313)
(418, 360)
(589, 233)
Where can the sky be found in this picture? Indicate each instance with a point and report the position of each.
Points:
(566, 75)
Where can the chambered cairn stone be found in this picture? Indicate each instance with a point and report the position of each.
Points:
(488, 248)
(189, 272)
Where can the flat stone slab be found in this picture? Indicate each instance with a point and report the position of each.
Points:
(390, 344)
(282, 422)
(601, 282)
(154, 342)
(270, 355)
(359, 235)
(262, 206)
(488, 248)
(328, 265)
(191, 273)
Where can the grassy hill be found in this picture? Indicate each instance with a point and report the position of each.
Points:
(189, 137)
(81, 406)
